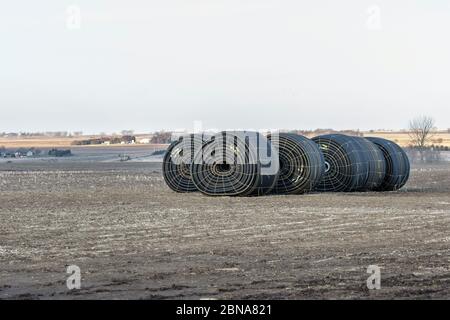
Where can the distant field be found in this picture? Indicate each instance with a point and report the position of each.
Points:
(402, 138)
(38, 142)
(49, 142)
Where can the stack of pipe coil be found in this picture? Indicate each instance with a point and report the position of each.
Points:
(352, 163)
(177, 162)
(234, 164)
(301, 164)
(397, 165)
(245, 163)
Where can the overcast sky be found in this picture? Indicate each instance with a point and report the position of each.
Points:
(149, 65)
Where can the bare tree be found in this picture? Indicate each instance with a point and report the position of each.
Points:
(421, 131)
(127, 132)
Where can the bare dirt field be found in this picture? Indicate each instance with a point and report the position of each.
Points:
(133, 238)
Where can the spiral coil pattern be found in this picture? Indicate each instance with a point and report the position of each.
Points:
(352, 163)
(230, 164)
(301, 164)
(177, 162)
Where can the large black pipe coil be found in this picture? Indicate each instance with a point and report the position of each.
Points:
(376, 163)
(238, 163)
(351, 163)
(301, 163)
(177, 162)
(397, 164)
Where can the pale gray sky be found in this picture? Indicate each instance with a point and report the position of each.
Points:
(149, 65)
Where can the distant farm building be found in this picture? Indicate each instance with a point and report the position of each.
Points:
(145, 141)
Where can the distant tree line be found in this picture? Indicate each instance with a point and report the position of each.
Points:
(161, 137)
(127, 139)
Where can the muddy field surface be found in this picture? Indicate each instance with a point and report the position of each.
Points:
(133, 238)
